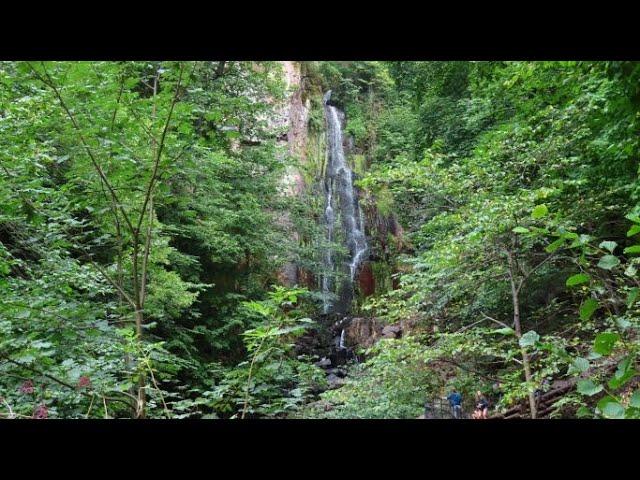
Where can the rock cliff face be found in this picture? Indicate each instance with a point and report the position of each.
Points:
(298, 112)
(294, 117)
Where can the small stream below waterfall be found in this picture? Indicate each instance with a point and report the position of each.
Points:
(329, 345)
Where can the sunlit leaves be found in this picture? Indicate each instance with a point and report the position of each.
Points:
(555, 245)
(539, 211)
(587, 309)
(577, 279)
(605, 342)
(634, 230)
(504, 331)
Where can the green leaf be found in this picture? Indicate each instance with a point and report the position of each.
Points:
(605, 342)
(24, 358)
(632, 249)
(540, 211)
(603, 402)
(613, 410)
(5, 268)
(577, 279)
(552, 247)
(520, 230)
(504, 331)
(634, 401)
(624, 373)
(630, 271)
(529, 339)
(633, 218)
(632, 296)
(588, 307)
(608, 245)
(579, 365)
(587, 387)
(583, 412)
(608, 262)
(633, 231)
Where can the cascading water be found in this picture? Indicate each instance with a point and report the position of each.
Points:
(340, 177)
(342, 339)
(328, 258)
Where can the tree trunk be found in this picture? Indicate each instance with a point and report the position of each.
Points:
(515, 295)
(142, 378)
(220, 69)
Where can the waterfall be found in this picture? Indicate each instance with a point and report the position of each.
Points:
(328, 258)
(342, 338)
(339, 178)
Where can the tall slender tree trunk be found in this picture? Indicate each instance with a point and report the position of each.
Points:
(142, 378)
(515, 295)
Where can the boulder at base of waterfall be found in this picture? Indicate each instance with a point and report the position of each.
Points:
(338, 356)
(334, 381)
(324, 363)
(392, 331)
(321, 405)
(362, 332)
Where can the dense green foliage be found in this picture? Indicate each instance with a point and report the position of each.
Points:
(502, 170)
(143, 226)
(136, 219)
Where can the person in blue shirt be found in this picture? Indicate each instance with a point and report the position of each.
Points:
(455, 400)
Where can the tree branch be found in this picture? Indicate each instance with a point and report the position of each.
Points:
(49, 82)
(159, 152)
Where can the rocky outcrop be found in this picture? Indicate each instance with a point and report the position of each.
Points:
(298, 114)
(334, 381)
(294, 117)
(366, 280)
(392, 331)
(364, 332)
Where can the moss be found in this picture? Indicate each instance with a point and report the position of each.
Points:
(316, 115)
(359, 163)
(382, 272)
(313, 169)
(384, 201)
